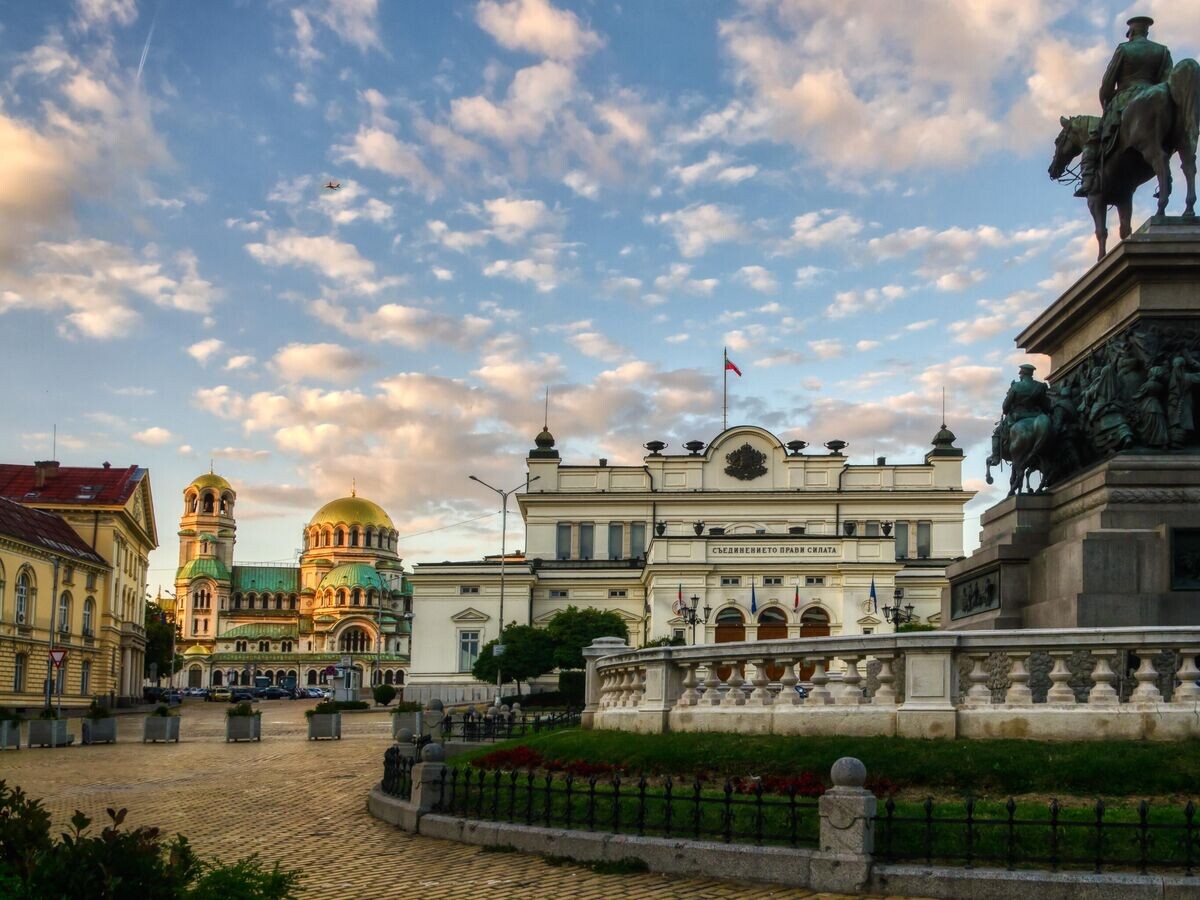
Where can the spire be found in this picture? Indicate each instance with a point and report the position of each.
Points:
(353, 487)
(544, 442)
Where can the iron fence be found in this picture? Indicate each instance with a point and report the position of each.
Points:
(1020, 834)
(397, 773)
(740, 811)
(472, 727)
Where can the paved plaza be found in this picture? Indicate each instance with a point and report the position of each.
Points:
(303, 803)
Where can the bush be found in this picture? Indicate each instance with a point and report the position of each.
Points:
(9, 715)
(914, 626)
(163, 711)
(384, 694)
(324, 708)
(571, 686)
(536, 701)
(407, 706)
(665, 642)
(239, 710)
(116, 863)
(98, 710)
(47, 713)
(349, 704)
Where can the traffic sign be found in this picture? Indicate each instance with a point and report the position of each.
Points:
(58, 656)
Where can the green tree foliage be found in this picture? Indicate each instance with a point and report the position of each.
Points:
(573, 629)
(384, 694)
(158, 643)
(528, 653)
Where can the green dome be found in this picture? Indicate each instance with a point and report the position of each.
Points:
(352, 511)
(211, 480)
(352, 575)
(202, 567)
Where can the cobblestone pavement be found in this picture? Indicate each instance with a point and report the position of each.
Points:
(303, 803)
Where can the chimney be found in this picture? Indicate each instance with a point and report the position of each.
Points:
(43, 471)
(881, 460)
(603, 462)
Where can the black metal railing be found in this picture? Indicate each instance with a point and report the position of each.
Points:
(474, 727)
(397, 773)
(1019, 835)
(741, 811)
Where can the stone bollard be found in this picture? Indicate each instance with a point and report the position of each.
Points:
(404, 740)
(427, 778)
(847, 810)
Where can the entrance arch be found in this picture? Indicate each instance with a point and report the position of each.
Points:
(195, 674)
(814, 622)
(772, 626)
(731, 626)
(216, 678)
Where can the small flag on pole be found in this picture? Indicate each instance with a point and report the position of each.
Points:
(679, 600)
(796, 602)
(731, 367)
(874, 599)
(753, 597)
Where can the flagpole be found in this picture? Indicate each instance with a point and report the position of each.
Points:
(724, 388)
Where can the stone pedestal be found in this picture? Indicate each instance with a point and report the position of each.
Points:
(1116, 543)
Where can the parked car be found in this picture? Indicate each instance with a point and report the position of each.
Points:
(221, 694)
(175, 696)
(240, 694)
(313, 693)
(275, 693)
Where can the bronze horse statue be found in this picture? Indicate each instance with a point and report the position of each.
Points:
(1027, 438)
(1163, 121)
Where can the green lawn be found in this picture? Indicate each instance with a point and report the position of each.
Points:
(993, 769)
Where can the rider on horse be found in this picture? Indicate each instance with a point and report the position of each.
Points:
(1137, 65)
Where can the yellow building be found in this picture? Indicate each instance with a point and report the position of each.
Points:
(112, 511)
(52, 586)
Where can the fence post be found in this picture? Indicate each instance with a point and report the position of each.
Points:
(600, 647)
(427, 778)
(847, 811)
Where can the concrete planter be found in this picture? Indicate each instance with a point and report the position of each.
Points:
(100, 731)
(324, 725)
(161, 728)
(49, 733)
(404, 720)
(243, 728)
(10, 735)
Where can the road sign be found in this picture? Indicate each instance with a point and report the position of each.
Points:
(58, 656)
(498, 650)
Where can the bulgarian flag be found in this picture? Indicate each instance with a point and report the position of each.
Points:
(679, 600)
(796, 602)
(730, 366)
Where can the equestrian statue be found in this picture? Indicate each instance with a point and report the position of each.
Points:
(1151, 111)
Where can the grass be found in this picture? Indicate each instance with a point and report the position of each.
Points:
(1131, 769)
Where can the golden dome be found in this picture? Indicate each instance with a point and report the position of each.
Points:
(211, 480)
(353, 510)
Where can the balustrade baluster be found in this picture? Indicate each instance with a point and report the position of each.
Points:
(639, 690)
(1147, 677)
(712, 685)
(761, 696)
(819, 695)
(788, 696)
(1187, 691)
(735, 696)
(852, 692)
(978, 694)
(1018, 693)
(1060, 691)
(690, 696)
(1103, 691)
(885, 694)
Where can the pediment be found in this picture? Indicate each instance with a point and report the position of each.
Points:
(869, 620)
(627, 617)
(470, 614)
(935, 619)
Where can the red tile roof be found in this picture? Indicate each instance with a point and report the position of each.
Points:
(73, 485)
(44, 529)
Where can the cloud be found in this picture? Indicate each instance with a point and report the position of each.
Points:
(243, 454)
(239, 362)
(513, 218)
(102, 13)
(582, 184)
(826, 348)
(678, 278)
(536, 27)
(826, 226)
(442, 274)
(351, 203)
(998, 317)
(203, 351)
(758, 278)
(851, 303)
(534, 98)
(716, 167)
(597, 346)
(335, 260)
(406, 326)
(355, 22)
(153, 436)
(781, 358)
(541, 272)
(374, 148)
(319, 362)
(456, 240)
(806, 275)
(699, 226)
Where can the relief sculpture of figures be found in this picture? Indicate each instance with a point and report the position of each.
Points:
(1136, 393)
(1150, 111)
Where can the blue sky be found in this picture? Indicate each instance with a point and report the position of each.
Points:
(590, 197)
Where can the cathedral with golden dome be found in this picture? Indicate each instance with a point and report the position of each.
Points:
(290, 624)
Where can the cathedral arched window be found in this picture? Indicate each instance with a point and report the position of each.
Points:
(354, 640)
(339, 538)
(208, 502)
(264, 646)
(341, 598)
(279, 601)
(237, 601)
(292, 601)
(356, 598)
(354, 536)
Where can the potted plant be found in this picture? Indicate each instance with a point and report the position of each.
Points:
(99, 725)
(10, 729)
(383, 694)
(243, 723)
(161, 725)
(405, 716)
(47, 730)
(324, 721)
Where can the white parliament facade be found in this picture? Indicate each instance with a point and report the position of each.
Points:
(775, 541)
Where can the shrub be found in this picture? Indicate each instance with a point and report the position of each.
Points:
(383, 694)
(349, 704)
(98, 710)
(519, 757)
(163, 711)
(806, 784)
(665, 642)
(239, 710)
(47, 713)
(532, 701)
(571, 686)
(407, 706)
(9, 715)
(914, 626)
(325, 708)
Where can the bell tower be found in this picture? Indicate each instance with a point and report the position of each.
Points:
(207, 534)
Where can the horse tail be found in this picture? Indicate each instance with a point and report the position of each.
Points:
(1184, 84)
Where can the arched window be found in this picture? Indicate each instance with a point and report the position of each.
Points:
(190, 503)
(89, 613)
(64, 613)
(264, 646)
(20, 666)
(311, 680)
(279, 601)
(293, 601)
(354, 536)
(339, 538)
(24, 599)
(356, 597)
(387, 677)
(209, 501)
(237, 601)
(217, 678)
(354, 640)
(772, 615)
(370, 598)
(85, 677)
(341, 598)
(399, 676)
(328, 537)
(226, 504)
(285, 647)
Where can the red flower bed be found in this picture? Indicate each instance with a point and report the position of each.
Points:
(512, 758)
(806, 784)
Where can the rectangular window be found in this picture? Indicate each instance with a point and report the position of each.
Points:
(678, 635)
(468, 589)
(468, 650)
(731, 580)
(562, 541)
(637, 540)
(85, 677)
(19, 673)
(924, 539)
(69, 575)
(60, 679)
(617, 594)
(872, 529)
(585, 540)
(901, 540)
(616, 537)
(91, 581)
(814, 580)
(868, 631)
(773, 581)
(559, 594)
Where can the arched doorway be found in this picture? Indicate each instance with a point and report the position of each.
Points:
(195, 675)
(731, 626)
(772, 626)
(311, 678)
(814, 622)
(217, 678)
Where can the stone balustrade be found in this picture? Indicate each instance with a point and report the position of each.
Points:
(1061, 684)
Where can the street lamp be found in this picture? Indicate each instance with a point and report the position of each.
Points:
(503, 552)
(691, 615)
(896, 614)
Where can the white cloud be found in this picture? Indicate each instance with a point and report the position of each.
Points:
(826, 226)
(153, 436)
(534, 99)
(406, 326)
(100, 13)
(806, 275)
(442, 274)
(758, 278)
(239, 362)
(319, 362)
(715, 167)
(542, 273)
(998, 317)
(335, 260)
(355, 22)
(678, 278)
(537, 27)
(851, 303)
(582, 184)
(864, 345)
(826, 348)
(455, 240)
(782, 358)
(699, 226)
(203, 351)
(375, 148)
(597, 346)
(513, 218)
(302, 96)
(243, 454)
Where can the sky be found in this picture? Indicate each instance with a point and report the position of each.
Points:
(593, 198)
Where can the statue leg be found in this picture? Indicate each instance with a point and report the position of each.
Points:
(1099, 212)
(1125, 214)
(1187, 162)
(1161, 164)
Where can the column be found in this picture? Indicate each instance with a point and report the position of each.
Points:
(597, 650)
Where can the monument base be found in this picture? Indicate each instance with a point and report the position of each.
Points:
(1118, 544)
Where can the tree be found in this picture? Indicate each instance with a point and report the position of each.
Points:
(573, 629)
(528, 654)
(159, 632)
(383, 694)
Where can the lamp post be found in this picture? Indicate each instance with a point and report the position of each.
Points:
(503, 552)
(896, 614)
(691, 615)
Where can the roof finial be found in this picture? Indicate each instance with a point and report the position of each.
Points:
(943, 406)
(353, 487)
(546, 413)
(210, 466)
